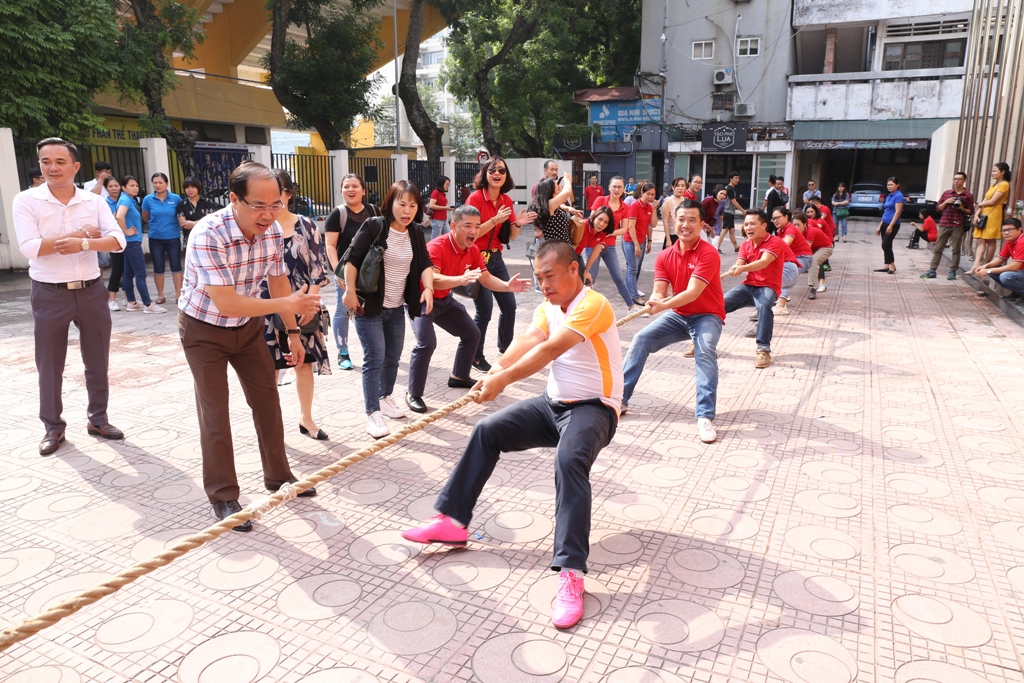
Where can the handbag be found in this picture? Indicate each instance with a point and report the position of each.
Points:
(369, 271)
(505, 233)
(577, 229)
(981, 222)
(842, 212)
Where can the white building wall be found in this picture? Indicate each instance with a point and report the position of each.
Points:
(832, 12)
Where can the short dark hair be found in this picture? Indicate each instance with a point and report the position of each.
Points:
(285, 178)
(964, 174)
(733, 174)
(691, 204)
(400, 189)
(60, 142)
(718, 188)
(564, 252)
(238, 181)
(814, 208)
(548, 163)
(192, 181)
(762, 217)
(103, 166)
(675, 181)
(109, 179)
(158, 174)
(799, 218)
(644, 187)
(34, 173)
(603, 211)
(439, 183)
(125, 179)
(1015, 222)
(464, 211)
(779, 179)
(893, 179)
(480, 181)
(784, 211)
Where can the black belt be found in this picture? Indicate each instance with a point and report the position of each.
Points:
(77, 284)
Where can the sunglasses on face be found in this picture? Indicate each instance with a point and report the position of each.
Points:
(498, 171)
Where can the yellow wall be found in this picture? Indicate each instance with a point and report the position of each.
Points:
(362, 135)
(205, 99)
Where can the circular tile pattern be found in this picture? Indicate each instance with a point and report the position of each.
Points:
(109, 521)
(52, 593)
(831, 472)
(412, 628)
(740, 489)
(997, 469)
(157, 543)
(614, 547)
(1016, 577)
(1010, 533)
(977, 423)
(422, 509)
(518, 526)
(706, 568)
(415, 464)
(1003, 497)
(145, 626)
(12, 487)
(471, 570)
(929, 562)
(986, 445)
(520, 657)
(242, 657)
(45, 674)
(679, 625)
(723, 525)
(903, 434)
(909, 457)
(750, 460)
(308, 527)
(323, 596)
(818, 594)
(682, 449)
(52, 506)
(823, 543)
(23, 564)
(541, 491)
(635, 507)
(131, 476)
(917, 485)
(924, 520)
(181, 491)
(237, 570)
(638, 674)
(596, 596)
(834, 446)
(794, 654)
(941, 620)
(368, 491)
(924, 671)
(827, 503)
(659, 475)
(383, 548)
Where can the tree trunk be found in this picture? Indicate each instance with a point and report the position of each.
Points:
(428, 131)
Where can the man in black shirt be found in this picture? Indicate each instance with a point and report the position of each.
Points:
(777, 197)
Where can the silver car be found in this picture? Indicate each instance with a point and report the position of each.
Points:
(867, 198)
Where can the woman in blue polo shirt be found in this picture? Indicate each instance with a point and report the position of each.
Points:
(160, 210)
(126, 213)
(890, 225)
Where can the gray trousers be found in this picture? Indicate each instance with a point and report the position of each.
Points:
(955, 238)
(54, 309)
(450, 315)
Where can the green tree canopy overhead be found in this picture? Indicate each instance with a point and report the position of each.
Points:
(55, 55)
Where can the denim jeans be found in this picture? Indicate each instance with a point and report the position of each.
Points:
(1011, 280)
(805, 262)
(790, 274)
(485, 306)
(761, 298)
(169, 250)
(611, 259)
(382, 337)
(577, 431)
(340, 321)
(450, 315)
(705, 330)
(841, 225)
(438, 228)
(135, 269)
(632, 268)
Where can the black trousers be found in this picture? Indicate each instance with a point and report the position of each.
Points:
(887, 240)
(116, 272)
(578, 431)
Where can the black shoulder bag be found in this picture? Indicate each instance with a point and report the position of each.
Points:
(369, 271)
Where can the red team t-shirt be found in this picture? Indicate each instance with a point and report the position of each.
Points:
(442, 200)
(799, 245)
(487, 211)
(676, 265)
(771, 276)
(450, 261)
(642, 212)
(617, 215)
(590, 195)
(817, 238)
(1013, 251)
(826, 216)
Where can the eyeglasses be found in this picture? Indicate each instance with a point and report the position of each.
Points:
(273, 208)
(1011, 228)
(498, 171)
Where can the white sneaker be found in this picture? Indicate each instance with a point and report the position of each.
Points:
(391, 409)
(642, 294)
(134, 306)
(153, 308)
(375, 425)
(822, 287)
(112, 305)
(706, 430)
(285, 377)
(633, 309)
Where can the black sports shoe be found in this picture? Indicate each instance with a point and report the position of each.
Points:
(482, 365)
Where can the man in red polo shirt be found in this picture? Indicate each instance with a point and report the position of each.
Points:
(457, 262)
(1005, 268)
(761, 257)
(692, 268)
(590, 194)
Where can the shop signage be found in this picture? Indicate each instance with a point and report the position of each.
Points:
(862, 144)
(723, 137)
(619, 118)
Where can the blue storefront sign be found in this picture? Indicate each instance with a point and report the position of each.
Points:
(619, 118)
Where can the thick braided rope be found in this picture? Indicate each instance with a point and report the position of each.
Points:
(66, 608)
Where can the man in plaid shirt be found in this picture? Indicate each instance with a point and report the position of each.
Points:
(956, 206)
(220, 322)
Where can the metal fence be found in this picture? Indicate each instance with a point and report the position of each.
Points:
(465, 172)
(314, 195)
(124, 160)
(424, 175)
(378, 174)
(211, 167)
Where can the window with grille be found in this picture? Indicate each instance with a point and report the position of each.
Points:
(932, 54)
(748, 47)
(704, 49)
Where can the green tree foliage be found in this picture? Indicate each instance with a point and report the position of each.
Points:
(54, 56)
(323, 82)
(463, 134)
(519, 63)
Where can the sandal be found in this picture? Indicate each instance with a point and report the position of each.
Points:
(161, 300)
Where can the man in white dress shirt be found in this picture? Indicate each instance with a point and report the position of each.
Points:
(60, 229)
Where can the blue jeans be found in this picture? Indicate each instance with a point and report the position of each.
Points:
(340, 321)
(611, 259)
(790, 274)
(761, 298)
(705, 330)
(841, 225)
(382, 337)
(438, 228)
(135, 269)
(632, 268)
(1012, 280)
(162, 250)
(485, 306)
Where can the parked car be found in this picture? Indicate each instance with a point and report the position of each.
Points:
(867, 198)
(916, 202)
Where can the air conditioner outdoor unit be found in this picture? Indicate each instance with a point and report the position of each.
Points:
(744, 109)
(627, 137)
(723, 76)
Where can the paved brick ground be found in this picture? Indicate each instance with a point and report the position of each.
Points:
(860, 518)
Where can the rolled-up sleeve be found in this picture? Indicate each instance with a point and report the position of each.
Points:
(26, 226)
(109, 228)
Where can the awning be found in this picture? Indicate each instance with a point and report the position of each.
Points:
(626, 93)
(892, 129)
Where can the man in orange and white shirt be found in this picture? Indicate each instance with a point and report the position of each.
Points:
(573, 330)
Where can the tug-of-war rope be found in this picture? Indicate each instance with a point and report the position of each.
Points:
(66, 608)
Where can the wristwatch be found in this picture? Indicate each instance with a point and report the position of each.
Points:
(294, 331)
(85, 244)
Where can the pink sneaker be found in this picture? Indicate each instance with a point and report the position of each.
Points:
(440, 529)
(567, 609)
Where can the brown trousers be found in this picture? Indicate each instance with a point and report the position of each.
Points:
(209, 350)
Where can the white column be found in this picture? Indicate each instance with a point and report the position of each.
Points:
(263, 154)
(449, 171)
(10, 254)
(401, 166)
(339, 169)
(154, 159)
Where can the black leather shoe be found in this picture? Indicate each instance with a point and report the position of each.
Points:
(481, 364)
(319, 436)
(273, 488)
(226, 508)
(812, 293)
(50, 443)
(456, 383)
(107, 431)
(416, 403)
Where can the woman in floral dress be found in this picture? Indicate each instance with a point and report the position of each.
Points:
(306, 261)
